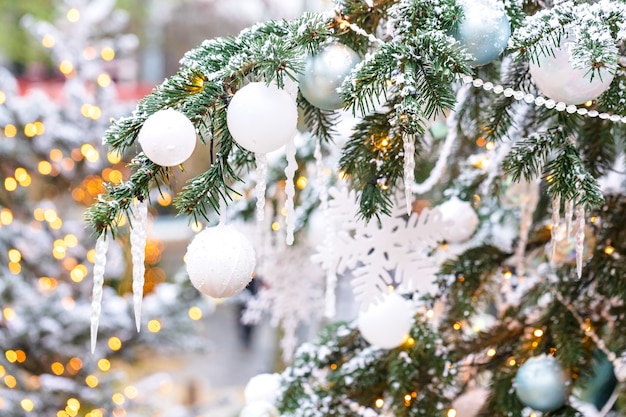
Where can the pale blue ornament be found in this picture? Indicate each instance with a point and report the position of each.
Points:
(324, 73)
(484, 30)
(542, 384)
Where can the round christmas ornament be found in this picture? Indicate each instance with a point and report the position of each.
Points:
(387, 323)
(262, 388)
(461, 220)
(259, 409)
(167, 137)
(558, 80)
(220, 261)
(542, 384)
(484, 30)
(262, 118)
(324, 73)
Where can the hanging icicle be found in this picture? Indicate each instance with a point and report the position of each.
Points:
(331, 277)
(527, 211)
(290, 190)
(138, 237)
(569, 214)
(556, 220)
(580, 238)
(409, 169)
(261, 184)
(102, 245)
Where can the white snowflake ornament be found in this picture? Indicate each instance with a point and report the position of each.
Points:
(396, 252)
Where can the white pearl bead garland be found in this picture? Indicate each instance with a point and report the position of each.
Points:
(540, 101)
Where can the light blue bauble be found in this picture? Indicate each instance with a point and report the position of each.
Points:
(542, 384)
(484, 30)
(324, 73)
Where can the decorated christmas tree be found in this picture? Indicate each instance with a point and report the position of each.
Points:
(53, 166)
(477, 203)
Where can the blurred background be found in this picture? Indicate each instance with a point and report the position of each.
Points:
(66, 69)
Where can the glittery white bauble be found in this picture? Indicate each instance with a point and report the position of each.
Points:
(541, 383)
(262, 118)
(461, 220)
(484, 30)
(324, 73)
(167, 137)
(387, 323)
(262, 387)
(558, 80)
(259, 409)
(220, 261)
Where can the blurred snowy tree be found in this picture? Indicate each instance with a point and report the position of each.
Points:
(52, 165)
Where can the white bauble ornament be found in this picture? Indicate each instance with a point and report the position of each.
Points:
(387, 323)
(484, 30)
(324, 73)
(262, 387)
(259, 409)
(262, 118)
(167, 137)
(460, 218)
(558, 80)
(220, 261)
(541, 383)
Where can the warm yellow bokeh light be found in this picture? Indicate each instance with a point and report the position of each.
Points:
(73, 15)
(8, 313)
(104, 365)
(195, 313)
(14, 255)
(66, 67)
(115, 343)
(154, 326)
(39, 128)
(164, 199)
(491, 352)
(107, 53)
(451, 413)
(11, 356)
(6, 216)
(115, 176)
(79, 273)
(48, 41)
(21, 356)
(57, 368)
(10, 131)
(538, 332)
(27, 404)
(104, 80)
(302, 182)
(118, 398)
(91, 381)
(44, 167)
(131, 392)
(10, 381)
(56, 155)
(10, 184)
(114, 157)
(15, 268)
(379, 403)
(276, 226)
(73, 404)
(3, 97)
(30, 130)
